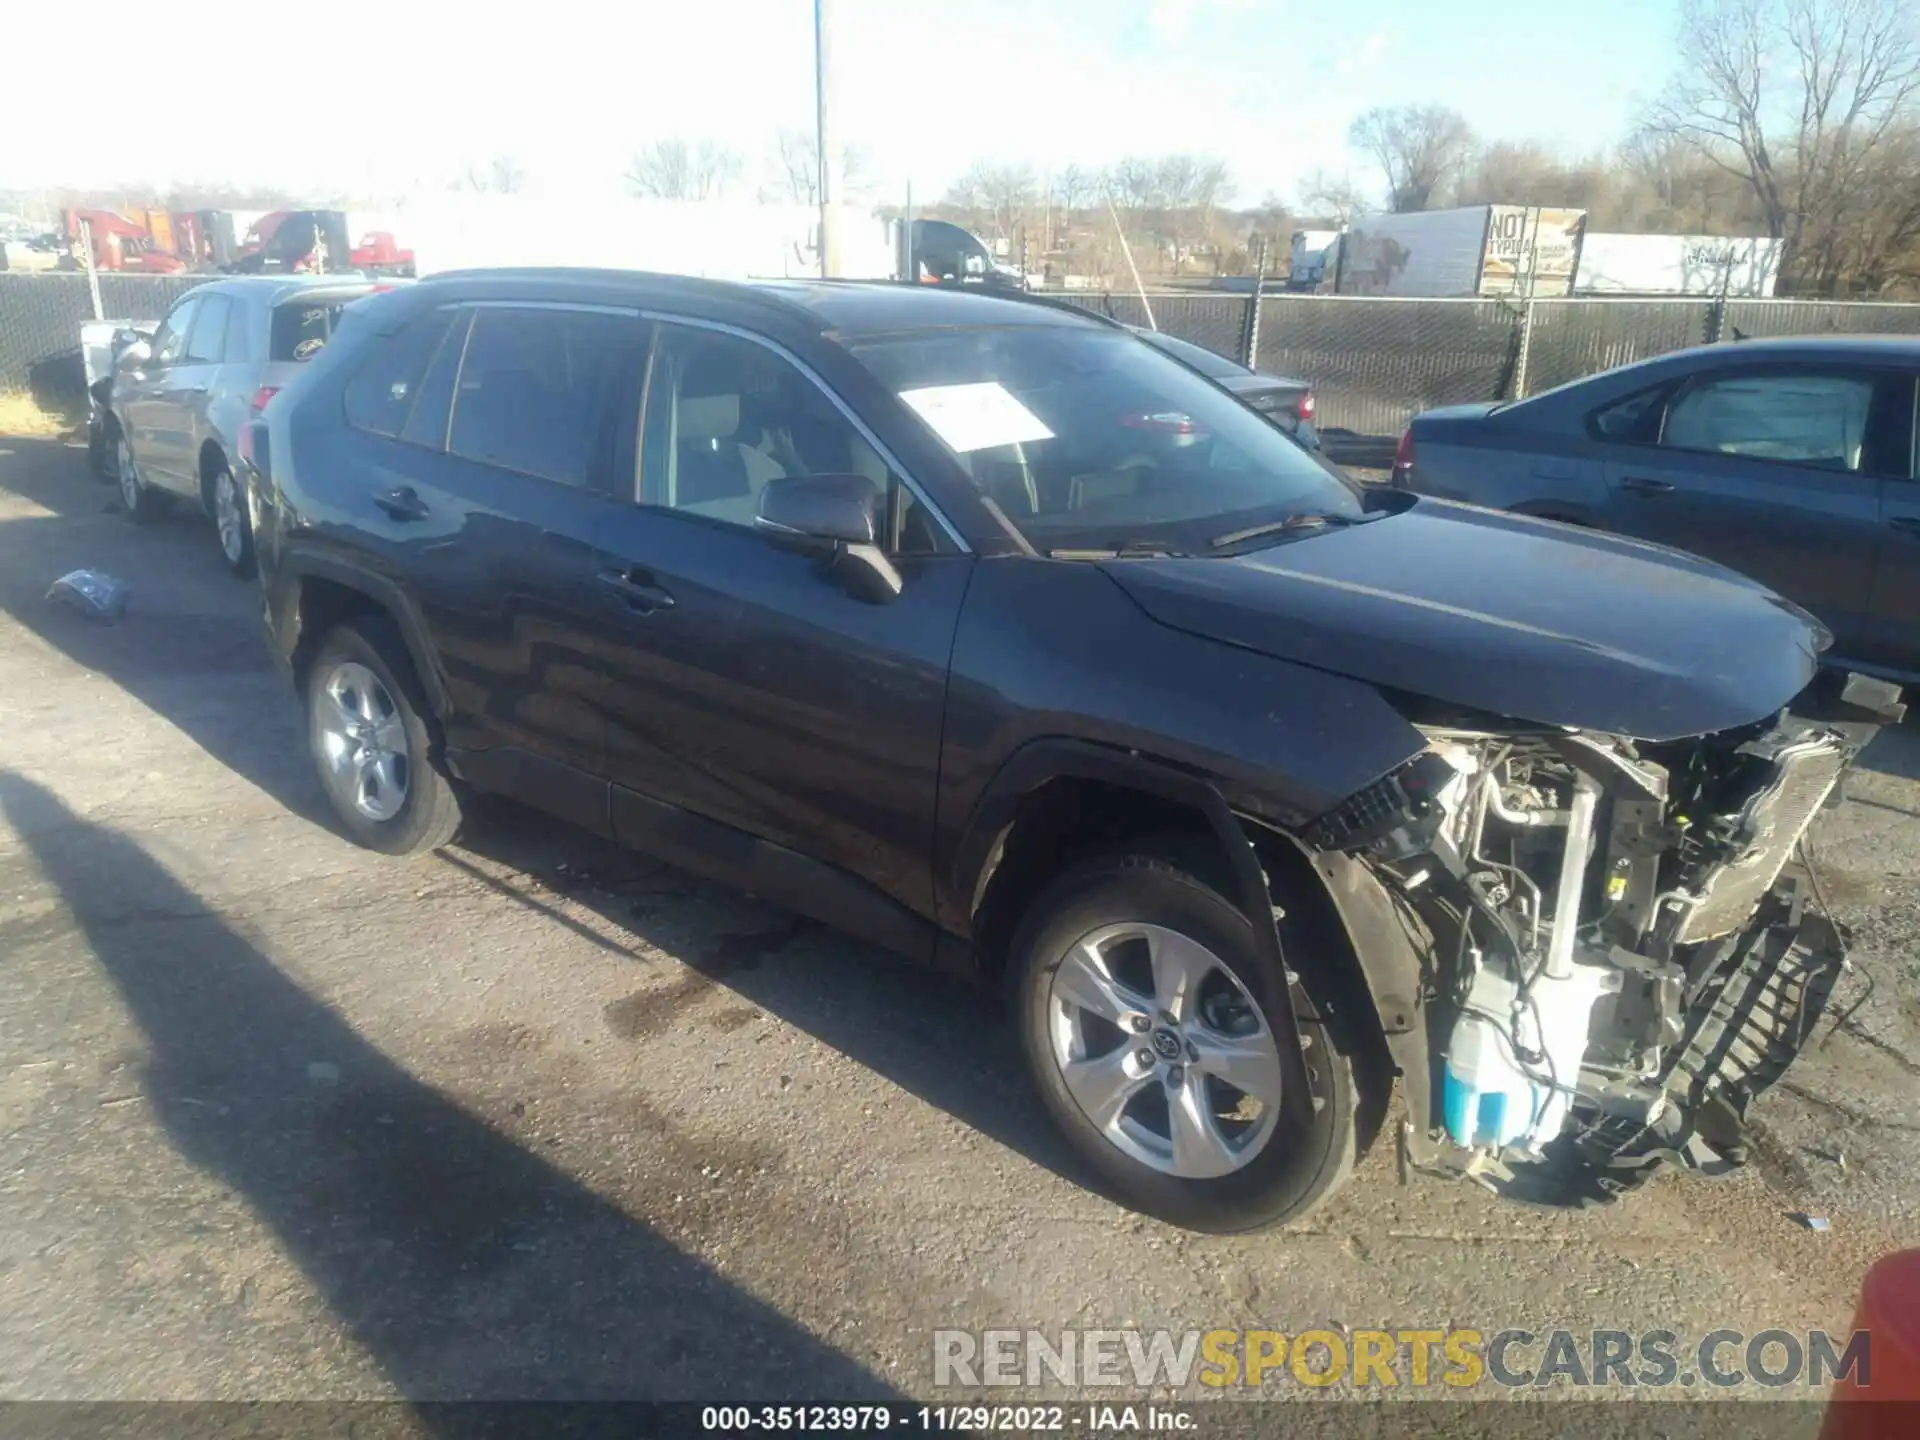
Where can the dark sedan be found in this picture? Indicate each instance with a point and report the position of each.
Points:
(1790, 460)
(1287, 403)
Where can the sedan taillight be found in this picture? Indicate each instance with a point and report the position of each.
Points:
(1403, 461)
(262, 396)
(1303, 407)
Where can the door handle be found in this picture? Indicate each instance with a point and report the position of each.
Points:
(637, 588)
(401, 503)
(1641, 485)
(1908, 523)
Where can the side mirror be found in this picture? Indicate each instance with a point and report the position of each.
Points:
(831, 516)
(827, 509)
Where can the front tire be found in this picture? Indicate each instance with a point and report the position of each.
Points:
(1151, 1019)
(376, 756)
(139, 501)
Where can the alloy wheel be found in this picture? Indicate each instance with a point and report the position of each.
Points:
(227, 515)
(1164, 1050)
(363, 740)
(129, 476)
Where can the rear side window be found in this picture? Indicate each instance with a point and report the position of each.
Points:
(381, 393)
(1801, 419)
(1632, 421)
(301, 328)
(536, 386)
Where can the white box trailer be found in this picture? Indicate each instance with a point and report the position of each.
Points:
(717, 239)
(1747, 267)
(1526, 250)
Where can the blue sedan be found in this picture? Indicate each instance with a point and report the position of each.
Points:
(1792, 461)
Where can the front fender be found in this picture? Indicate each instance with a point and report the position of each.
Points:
(1056, 653)
(1041, 762)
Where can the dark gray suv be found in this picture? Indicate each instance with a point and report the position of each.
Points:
(989, 633)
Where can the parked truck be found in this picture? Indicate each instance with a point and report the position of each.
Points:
(320, 242)
(1744, 266)
(1307, 264)
(1524, 250)
(719, 239)
(142, 243)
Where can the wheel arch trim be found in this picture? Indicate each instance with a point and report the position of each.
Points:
(1039, 762)
(297, 567)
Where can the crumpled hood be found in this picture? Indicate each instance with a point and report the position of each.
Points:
(1501, 613)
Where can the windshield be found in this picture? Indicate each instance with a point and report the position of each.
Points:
(1198, 356)
(1088, 439)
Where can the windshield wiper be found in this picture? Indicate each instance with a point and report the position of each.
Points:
(1115, 550)
(1279, 527)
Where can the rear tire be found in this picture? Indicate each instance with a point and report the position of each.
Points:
(228, 503)
(377, 756)
(100, 449)
(139, 501)
(1215, 1170)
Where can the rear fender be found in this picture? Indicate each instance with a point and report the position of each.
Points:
(295, 633)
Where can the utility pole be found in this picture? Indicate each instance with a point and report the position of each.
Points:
(825, 141)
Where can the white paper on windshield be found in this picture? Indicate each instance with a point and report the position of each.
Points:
(975, 417)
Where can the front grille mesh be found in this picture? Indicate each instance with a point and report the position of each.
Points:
(1775, 818)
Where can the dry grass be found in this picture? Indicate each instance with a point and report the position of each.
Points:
(20, 414)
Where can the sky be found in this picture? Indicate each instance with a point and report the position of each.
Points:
(571, 89)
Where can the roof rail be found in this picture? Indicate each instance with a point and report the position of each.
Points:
(1025, 297)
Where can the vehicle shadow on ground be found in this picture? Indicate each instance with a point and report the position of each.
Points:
(192, 635)
(947, 1042)
(191, 641)
(465, 1264)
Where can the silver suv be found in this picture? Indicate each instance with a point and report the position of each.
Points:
(178, 402)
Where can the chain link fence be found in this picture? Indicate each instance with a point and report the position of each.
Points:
(1375, 362)
(40, 319)
(1571, 338)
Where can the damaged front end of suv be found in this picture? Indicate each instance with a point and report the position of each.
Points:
(1613, 938)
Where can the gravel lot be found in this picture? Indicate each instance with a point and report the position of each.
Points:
(538, 1118)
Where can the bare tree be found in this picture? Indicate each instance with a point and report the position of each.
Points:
(1074, 189)
(677, 169)
(1333, 197)
(995, 195)
(795, 165)
(1419, 148)
(1807, 102)
(499, 176)
(1132, 183)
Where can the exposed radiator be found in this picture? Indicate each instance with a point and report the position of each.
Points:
(1806, 772)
